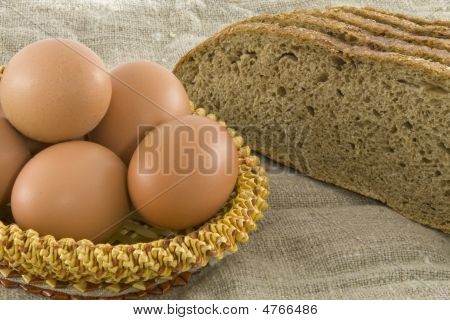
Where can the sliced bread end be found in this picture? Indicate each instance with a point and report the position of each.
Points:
(372, 122)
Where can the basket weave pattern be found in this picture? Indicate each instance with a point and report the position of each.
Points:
(158, 255)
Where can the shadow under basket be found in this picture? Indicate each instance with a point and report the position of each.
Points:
(139, 259)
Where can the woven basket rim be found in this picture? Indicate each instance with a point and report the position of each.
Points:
(83, 262)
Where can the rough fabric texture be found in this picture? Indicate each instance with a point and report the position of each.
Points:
(316, 241)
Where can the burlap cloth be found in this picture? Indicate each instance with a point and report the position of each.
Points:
(317, 241)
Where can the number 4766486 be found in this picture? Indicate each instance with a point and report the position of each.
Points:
(290, 309)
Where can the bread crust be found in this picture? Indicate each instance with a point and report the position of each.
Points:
(382, 29)
(429, 30)
(420, 21)
(353, 35)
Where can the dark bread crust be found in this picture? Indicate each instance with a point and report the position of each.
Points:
(430, 30)
(353, 35)
(419, 21)
(382, 29)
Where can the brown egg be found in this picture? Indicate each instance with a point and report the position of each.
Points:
(13, 156)
(33, 145)
(183, 172)
(55, 90)
(73, 189)
(144, 95)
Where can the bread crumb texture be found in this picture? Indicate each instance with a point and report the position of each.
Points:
(355, 97)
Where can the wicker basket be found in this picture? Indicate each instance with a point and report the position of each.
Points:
(139, 259)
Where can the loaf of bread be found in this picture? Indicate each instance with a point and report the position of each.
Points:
(359, 98)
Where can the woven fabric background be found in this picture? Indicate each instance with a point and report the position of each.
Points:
(317, 241)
